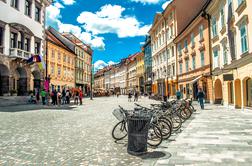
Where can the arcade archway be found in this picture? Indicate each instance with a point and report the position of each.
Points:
(4, 79)
(218, 92)
(21, 81)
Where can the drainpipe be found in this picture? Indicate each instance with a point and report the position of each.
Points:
(207, 16)
(166, 53)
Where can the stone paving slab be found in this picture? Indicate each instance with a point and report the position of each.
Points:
(81, 135)
(216, 136)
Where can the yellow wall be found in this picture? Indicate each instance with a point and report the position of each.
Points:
(63, 60)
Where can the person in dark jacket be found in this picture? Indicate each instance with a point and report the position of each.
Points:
(201, 96)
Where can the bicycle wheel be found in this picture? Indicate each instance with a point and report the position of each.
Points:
(176, 122)
(154, 136)
(165, 128)
(120, 130)
(185, 113)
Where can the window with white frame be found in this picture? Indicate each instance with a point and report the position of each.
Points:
(222, 16)
(179, 49)
(216, 58)
(180, 68)
(214, 26)
(193, 63)
(224, 52)
(201, 29)
(187, 65)
(192, 39)
(244, 37)
(202, 58)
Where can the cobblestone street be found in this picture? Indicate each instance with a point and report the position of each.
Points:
(81, 135)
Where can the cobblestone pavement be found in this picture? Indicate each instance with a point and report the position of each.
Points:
(35, 135)
(215, 136)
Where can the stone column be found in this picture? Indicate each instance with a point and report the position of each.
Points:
(7, 40)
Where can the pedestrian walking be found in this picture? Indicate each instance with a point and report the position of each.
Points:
(201, 96)
(136, 96)
(76, 97)
(59, 95)
(178, 94)
(67, 97)
(117, 94)
(80, 97)
(43, 96)
(63, 96)
(129, 97)
(37, 95)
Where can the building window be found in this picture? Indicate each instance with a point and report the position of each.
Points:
(181, 68)
(244, 38)
(179, 49)
(225, 58)
(53, 54)
(186, 44)
(193, 63)
(13, 40)
(216, 58)
(59, 57)
(173, 69)
(192, 39)
(201, 29)
(64, 57)
(187, 65)
(214, 26)
(37, 47)
(52, 70)
(37, 13)
(28, 7)
(222, 15)
(14, 3)
(202, 58)
(240, 2)
(59, 68)
(27, 44)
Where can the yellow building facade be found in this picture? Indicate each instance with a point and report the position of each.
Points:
(60, 64)
(140, 72)
(231, 27)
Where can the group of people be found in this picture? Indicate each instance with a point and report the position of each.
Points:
(136, 96)
(200, 96)
(57, 97)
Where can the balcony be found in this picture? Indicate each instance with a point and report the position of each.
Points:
(18, 53)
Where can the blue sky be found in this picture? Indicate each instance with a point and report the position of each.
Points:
(113, 28)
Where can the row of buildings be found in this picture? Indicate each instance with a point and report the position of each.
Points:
(201, 44)
(23, 35)
(122, 77)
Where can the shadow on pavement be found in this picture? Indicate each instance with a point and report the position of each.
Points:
(155, 154)
(21, 108)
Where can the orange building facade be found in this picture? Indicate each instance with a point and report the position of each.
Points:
(193, 59)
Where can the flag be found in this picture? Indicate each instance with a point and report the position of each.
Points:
(30, 60)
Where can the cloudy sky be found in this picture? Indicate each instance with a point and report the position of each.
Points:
(114, 28)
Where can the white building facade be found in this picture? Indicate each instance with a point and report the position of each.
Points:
(22, 24)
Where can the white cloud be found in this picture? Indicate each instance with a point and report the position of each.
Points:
(58, 5)
(147, 1)
(53, 12)
(94, 41)
(100, 64)
(166, 4)
(68, 2)
(110, 20)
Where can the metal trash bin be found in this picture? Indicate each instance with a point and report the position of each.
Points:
(137, 134)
